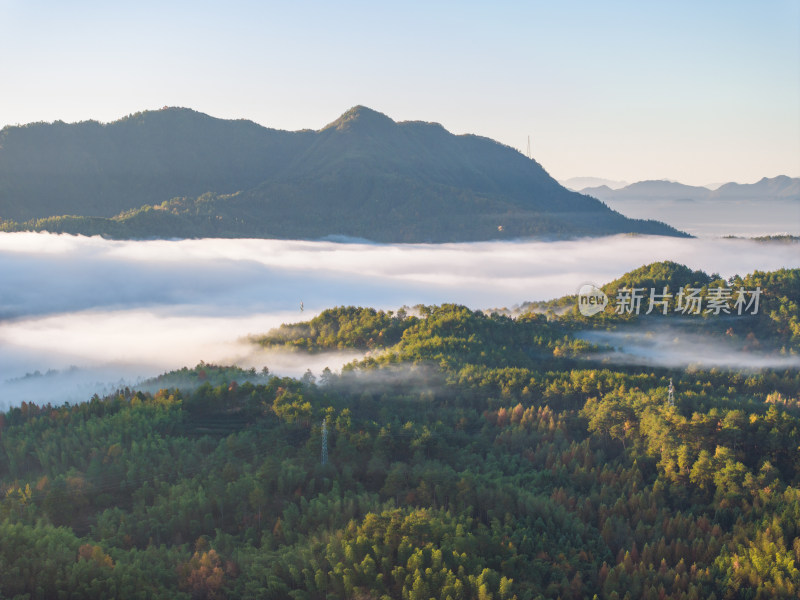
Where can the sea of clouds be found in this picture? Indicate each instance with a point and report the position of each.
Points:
(82, 315)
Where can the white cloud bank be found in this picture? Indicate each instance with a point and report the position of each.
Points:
(667, 345)
(124, 310)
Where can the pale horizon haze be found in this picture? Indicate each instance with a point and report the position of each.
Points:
(693, 92)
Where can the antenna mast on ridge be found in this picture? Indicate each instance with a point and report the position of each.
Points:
(529, 147)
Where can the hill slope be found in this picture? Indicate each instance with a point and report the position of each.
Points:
(176, 172)
(92, 169)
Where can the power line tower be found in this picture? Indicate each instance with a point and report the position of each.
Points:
(324, 442)
(671, 399)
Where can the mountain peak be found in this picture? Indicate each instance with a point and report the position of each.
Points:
(360, 118)
(364, 175)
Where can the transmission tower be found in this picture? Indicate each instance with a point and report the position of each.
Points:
(671, 399)
(324, 442)
(529, 147)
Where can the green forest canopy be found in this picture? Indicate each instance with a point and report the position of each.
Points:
(470, 456)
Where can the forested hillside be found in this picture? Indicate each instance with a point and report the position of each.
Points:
(768, 317)
(468, 456)
(179, 173)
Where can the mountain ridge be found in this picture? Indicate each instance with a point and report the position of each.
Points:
(362, 175)
(774, 188)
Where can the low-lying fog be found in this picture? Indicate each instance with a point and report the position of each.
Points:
(82, 315)
(718, 218)
(679, 345)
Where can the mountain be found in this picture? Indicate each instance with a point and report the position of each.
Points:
(775, 188)
(100, 170)
(580, 183)
(650, 190)
(180, 173)
(770, 207)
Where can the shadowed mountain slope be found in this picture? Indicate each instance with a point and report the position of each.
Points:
(177, 172)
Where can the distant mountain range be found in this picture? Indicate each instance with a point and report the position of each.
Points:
(579, 183)
(180, 173)
(775, 188)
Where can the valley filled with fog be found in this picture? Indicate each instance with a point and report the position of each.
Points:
(82, 315)
(713, 218)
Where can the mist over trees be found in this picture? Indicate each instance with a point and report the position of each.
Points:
(470, 455)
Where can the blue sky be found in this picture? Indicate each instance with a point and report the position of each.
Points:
(696, 92)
